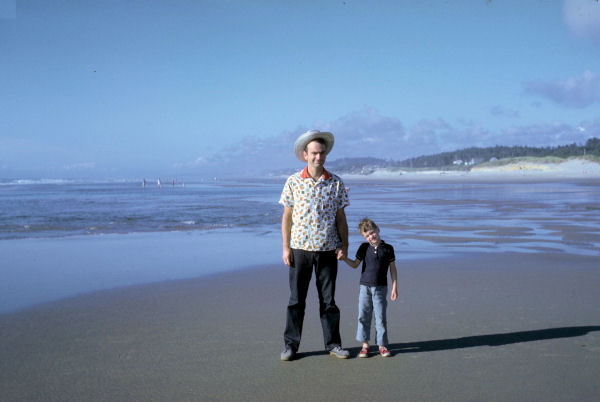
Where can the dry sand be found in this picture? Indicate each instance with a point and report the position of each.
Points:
(475, 327)
(579, 169)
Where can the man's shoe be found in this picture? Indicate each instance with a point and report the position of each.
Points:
(339, 353)
(287, 355)
(384, 352)
(364, 352)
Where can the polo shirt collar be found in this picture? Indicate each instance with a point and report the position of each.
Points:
(305, 175)
(381, 243)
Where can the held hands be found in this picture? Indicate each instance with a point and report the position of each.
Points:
(342, 253)
(288, 256)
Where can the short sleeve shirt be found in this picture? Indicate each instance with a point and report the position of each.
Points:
(315, 205)
(375, 263)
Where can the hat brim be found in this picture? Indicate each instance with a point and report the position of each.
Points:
(309, 136)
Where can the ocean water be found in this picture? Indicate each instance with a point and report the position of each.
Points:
(61, 238)
(424, 219)
(420, 218)
(58, 208)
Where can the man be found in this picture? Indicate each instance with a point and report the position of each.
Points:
(315, 235)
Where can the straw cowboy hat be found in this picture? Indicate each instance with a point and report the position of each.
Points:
(309, 136)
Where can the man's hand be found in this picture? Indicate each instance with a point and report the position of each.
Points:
(342, 227)
(288, 257)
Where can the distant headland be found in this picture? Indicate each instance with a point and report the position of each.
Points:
(564, 161)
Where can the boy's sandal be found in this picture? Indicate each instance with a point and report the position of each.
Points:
(364, 352)
(384, 352)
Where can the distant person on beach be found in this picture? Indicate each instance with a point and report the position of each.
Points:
(376, 257)
(315, 236)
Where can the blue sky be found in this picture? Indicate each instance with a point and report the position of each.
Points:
(190, 89)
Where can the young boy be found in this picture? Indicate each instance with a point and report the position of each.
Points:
(376, 257)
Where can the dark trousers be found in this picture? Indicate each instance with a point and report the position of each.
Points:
(325, 267)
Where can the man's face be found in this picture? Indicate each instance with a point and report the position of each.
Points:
(372, 236)
(315, 154)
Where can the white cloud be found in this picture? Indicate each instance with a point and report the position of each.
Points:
(576, 92)
(367, 133)
(501, 111)
(546, 134)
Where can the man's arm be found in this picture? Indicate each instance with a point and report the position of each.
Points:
(286, 234)
(342, 228)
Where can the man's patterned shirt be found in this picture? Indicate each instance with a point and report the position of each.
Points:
(315, 204)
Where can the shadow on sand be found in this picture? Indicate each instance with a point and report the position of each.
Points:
(477, 340)
(492, 340)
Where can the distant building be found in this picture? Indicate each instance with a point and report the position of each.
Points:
(472, 162)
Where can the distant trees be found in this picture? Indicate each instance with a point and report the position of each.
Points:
(478, 155)
(592, 146)
(467, 157)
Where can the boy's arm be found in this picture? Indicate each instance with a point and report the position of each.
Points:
(394, 275)
(352, 263)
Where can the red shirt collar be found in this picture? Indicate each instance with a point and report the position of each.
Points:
(305, 175)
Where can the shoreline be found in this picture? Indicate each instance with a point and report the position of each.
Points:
(437, 222)
(467, 327)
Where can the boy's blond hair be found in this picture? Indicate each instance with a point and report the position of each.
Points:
(366, 224)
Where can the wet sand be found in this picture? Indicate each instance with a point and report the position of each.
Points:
(490, 326)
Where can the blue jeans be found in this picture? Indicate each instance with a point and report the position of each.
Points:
(372, 301)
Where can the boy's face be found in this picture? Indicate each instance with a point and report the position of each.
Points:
(372, 236)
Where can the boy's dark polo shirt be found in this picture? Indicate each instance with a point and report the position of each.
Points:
(375, 265)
